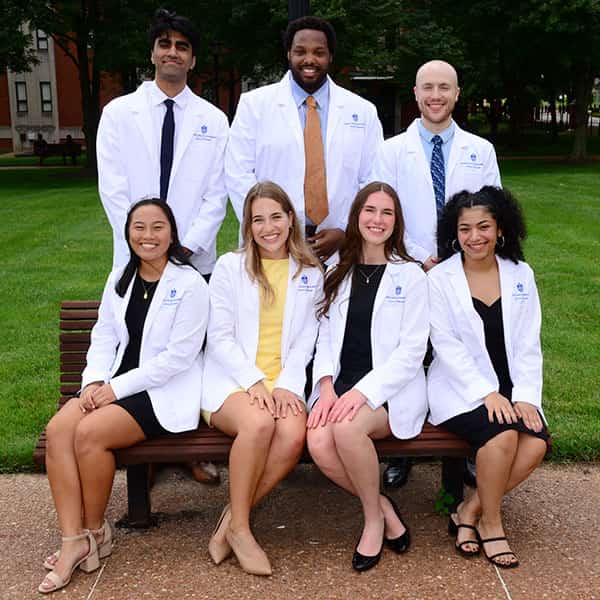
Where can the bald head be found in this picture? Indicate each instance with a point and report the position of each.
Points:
(438, 68)
(436, 92)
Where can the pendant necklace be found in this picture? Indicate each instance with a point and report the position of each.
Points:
(368, 277)
(151, 286)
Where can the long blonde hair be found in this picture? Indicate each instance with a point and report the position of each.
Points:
(296, 246)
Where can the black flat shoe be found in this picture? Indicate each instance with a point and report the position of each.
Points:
(361, 563)
(402, 542)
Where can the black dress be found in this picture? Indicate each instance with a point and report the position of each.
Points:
(139, 405)
(356, 359)
(474, 426)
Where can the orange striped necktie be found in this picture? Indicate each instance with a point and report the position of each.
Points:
(315, 183)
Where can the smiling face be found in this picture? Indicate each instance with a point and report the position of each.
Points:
(309, 59)
(477, 233)
(436, 92)
(172, 57)
(150, 233)
(376, 219)
(270, 226)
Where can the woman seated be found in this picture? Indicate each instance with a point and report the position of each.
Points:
(142, 380)
(368, 369)
(485, 381)
(261, 336)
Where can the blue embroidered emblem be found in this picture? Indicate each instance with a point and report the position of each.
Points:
(473, 157)
(204, 129)
(398, 290)
(304, 279)
(520, 287)
(355, 117)
(172, 293)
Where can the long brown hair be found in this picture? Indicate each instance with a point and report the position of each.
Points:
(351, 250)
(296, 246)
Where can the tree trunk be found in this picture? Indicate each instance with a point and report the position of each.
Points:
(583, 88)
(553, 123)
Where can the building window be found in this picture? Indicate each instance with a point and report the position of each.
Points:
(21, 88)
(42, 40)
(46, 96)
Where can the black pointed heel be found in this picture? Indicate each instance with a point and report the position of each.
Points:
(400, 544)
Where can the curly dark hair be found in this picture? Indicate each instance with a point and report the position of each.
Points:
(501, 204)
(310, 23)
(165, 20)
(351, 250)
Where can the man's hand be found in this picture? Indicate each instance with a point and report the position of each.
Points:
(326, 242)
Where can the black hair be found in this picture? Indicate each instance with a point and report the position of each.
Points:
(175, 252)
(310, 23)
(165, 20)
(506, 211)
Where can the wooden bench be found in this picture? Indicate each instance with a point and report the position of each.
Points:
(72, 150)
(76, 322)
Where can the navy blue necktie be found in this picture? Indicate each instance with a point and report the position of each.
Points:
(438, 175)
(166, 149)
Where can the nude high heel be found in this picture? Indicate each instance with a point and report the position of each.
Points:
(219, 550)
(88, 563)
(250, 555)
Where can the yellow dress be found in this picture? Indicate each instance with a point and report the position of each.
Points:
(268, 353)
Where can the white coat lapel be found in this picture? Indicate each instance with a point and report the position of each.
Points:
(192, 121)
(338, 311)
(123, 303)
(142, 115)
(387, 280)
(416, 154)
(165, 282)
(249, 311)
(289, 111)
(290, 306)
(459, 145)
(506, 269)
(463, 294)
(334, 114)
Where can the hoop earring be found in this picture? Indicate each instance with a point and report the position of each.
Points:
(453, 246)
(500, 241)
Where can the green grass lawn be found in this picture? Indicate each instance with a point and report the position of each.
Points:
(56, 244)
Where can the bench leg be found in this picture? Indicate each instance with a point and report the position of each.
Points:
(138, 499)
(453, 473)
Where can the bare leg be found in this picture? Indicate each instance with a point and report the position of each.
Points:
(284, 453)
(354, 444)
(107, 428)
(253, 429)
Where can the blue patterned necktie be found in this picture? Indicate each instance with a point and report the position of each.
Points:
(166, 149)
(438, 175)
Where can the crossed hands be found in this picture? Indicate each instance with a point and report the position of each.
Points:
(94, 395)
(279, 403)
(503, 411)
(331, 408)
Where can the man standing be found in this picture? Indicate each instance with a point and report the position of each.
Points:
(163, 141)
(433, 160)
(315, 139)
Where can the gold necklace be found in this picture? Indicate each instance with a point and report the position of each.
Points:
(151, 286)
(368, 277)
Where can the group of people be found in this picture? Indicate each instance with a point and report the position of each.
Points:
(355, 255)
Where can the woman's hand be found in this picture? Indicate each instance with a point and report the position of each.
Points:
(530, 415)
(284, 400)
(320, 410)
(86, 400)
(348, 405)
(103, 395)
(260, 394)
(499, 407)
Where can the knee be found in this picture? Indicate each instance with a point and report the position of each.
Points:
(320, 443)
(293, 442)
(59, 432)
(346, 434)
(86, 438)
(506, 442)
(259, 430)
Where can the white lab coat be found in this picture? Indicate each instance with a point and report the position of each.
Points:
(399, 332)
(129, 169)
(401, 163)
(232, 340)
(461, 373)
(267, 143)
(170, 365)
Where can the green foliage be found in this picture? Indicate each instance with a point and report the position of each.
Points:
(16, 51)
(443, 501)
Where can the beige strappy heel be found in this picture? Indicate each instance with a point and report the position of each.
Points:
(104, 549)
(88, 563)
